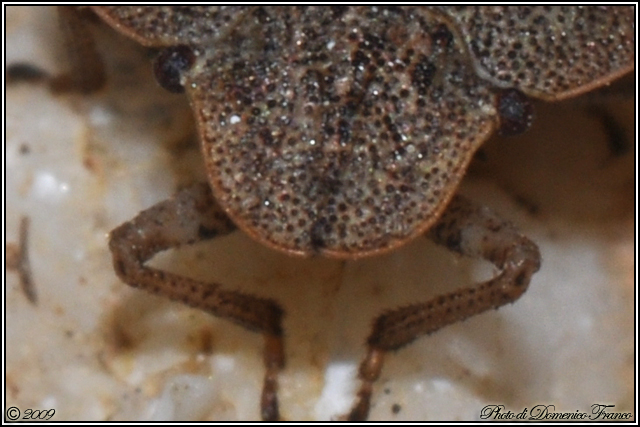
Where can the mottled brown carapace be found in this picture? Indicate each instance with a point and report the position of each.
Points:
(345, 132)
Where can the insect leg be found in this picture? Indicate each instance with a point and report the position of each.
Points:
(193, 215)
(87, 72)
(472, 231)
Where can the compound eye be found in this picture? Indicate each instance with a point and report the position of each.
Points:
(515, 111)
(170, 64)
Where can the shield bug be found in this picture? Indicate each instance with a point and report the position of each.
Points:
(345, 132)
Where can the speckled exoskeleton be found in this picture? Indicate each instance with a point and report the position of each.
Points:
(345, 132)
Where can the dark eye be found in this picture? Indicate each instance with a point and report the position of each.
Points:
(170, 64)
(515, 111)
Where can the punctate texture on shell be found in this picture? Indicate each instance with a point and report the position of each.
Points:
(335, 130)
(172, 25)
(549, 52)
(341, 131)
(345, 131)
